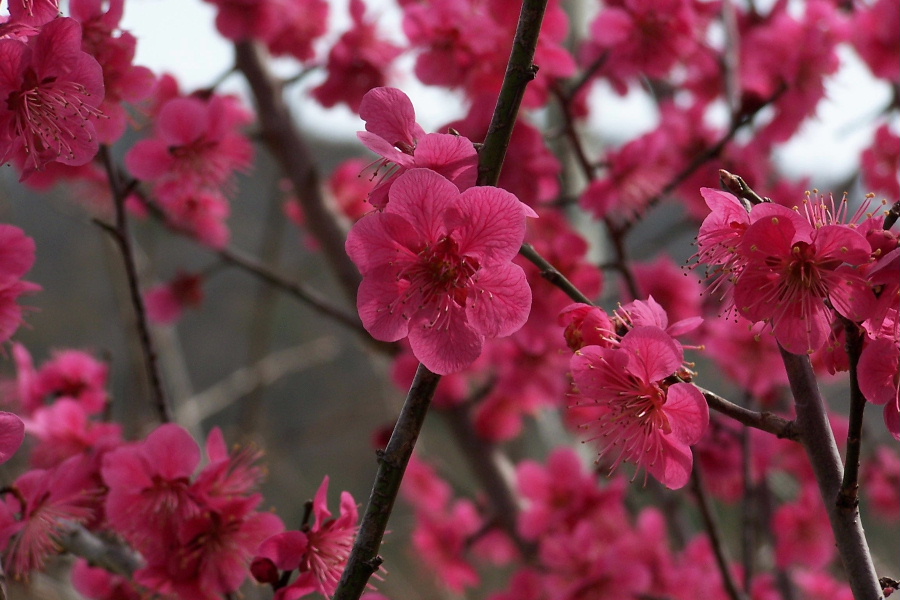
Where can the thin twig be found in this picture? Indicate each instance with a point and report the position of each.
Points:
(849, 494)
(122, 237)
(552, 274)
(714, 531)
(112, 556)
(364, 559)
(817, 438)
(764, 421)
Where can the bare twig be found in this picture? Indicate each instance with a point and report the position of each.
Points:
(111, 556)
(714, 531)
(849, 494)
(764, 421)
(364, 559)
(120, 234)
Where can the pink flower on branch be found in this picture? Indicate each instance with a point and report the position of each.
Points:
(436, 266)
(392, 132)
(50, 91)
(644, 414)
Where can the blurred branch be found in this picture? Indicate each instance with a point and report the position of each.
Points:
(247, 379)
(817, 438)
(280, 133)
(122, 237)
(698, 487)
(112, 556)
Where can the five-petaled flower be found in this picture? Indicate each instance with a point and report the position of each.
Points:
(650, 417)
(436, 266)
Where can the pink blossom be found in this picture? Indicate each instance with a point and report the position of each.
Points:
(881, 477)
(392, 132)
(750, 359)
(192, 159)
(793, 268)
(643, 417)
(166, 302)
(436, 267)
(880, 163)
(33, 12)
(802, 532)
(16, 259)
(357, 63)
(679, 295)
(44, 501)
(586, 325)
(879, 378)
(52, 92)
(874, 34)
(64, 430)
(643, 38)
(441, 539)
(72, 374)
(12, 434)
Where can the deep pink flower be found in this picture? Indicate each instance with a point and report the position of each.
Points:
(665, 281)
(880, 163)
(643, 38)
(643, 417)
(392, 132)
(12, 434)
(97, 583)
(436, 267)
(33, 12)
(874, 34)
(114, 50)
(357, 63)
(65, 430)
(881, 474)
(879, 379)
(330, 540)
(802, 532)
(16, 259)
(166, 302)
(50, 91)
(586, 325)
(440, 540)
(44, 501)
(792, 268)
(71, 374)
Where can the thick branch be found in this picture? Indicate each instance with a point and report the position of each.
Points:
(287, 146)
(364, 559)
(519, 72)
(817, 438)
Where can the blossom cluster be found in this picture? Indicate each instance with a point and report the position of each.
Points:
(804, 271)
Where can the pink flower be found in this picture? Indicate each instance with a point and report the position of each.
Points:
(642, 415)
(114, 50)
(881, 474)
(792, 268)
(392, 132)
(51, 92)
(12, 434)
(71, 374)
(65, 430)
(33, 12)
(802, 532)
(880, 163)
(874, 33)
(357, 62)
(879, 379)
(16, 259)
(436, 267)
(97, 583)
(166, 302)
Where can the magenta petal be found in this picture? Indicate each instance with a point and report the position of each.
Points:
(501, 301)
(384, 312)
(687, 412)
(172, 451)
(285, 549)
(490, 223)
(149, 159)
(421, 196)
(452, 156)
(589, 363)
(379, 146)
(878, 368)
(799, 333)
(892, 418)
(378, 239)
(652, 353)
(182, 121)
(673, 468)
(12, 434)
(448, 348)
(851, 295)
(389, 114)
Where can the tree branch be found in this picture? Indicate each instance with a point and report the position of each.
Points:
(817, 438)
(764, 421)
(364, 559)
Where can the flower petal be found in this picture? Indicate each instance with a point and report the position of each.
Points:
(501, 301)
